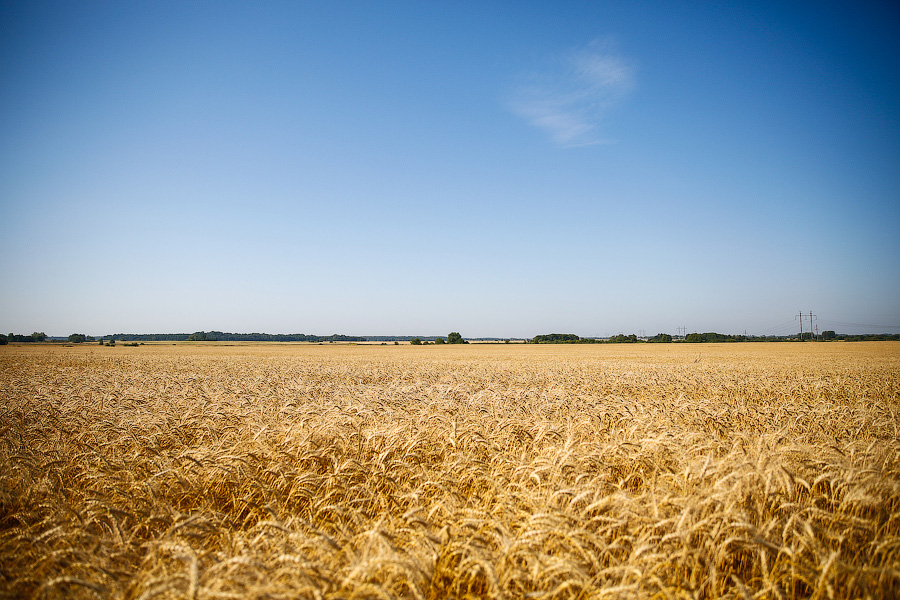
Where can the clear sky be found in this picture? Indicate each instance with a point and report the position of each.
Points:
(498, 169)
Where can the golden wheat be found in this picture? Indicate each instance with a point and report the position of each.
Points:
(294, 471)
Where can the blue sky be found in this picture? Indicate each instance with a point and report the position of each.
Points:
(501, 169)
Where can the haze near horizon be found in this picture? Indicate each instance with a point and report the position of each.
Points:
(501, 170)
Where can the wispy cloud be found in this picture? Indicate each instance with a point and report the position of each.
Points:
(572, 97)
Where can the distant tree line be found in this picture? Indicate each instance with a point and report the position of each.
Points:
(37, 336)
(556, 338)
(623, 339)
(454, 337)
(713, 337)
(869, 337)
(705, 338)
(825, 336)
(220, 336)
(571, 338)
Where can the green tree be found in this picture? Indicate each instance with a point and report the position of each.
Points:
(439, 340)
(3, 340)
(624, 339)
(455, 338)
(555, 338)
(693, 338)
(77, 338)
(662, 338)
(828, 335)
(39, 336)
(415, 342)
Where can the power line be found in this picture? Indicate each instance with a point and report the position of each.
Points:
(783, 327)
(786, 327)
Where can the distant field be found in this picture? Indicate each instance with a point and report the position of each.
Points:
(478, 471)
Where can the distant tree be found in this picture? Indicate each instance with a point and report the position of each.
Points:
(3, 340)
(455, 338)
(439, 340)
(415, 342)
(693, 338)
(39, 336)
(555, 338)
(828, 335)
(77, 338)
(624, 339)
(662, 338)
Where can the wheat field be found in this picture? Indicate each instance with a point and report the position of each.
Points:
(495, 471)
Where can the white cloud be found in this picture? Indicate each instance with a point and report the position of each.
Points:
(572, 97)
